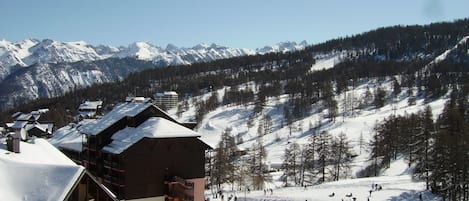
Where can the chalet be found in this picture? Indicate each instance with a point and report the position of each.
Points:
(89, 109)
(139, 152)
(28, 125)
(36, 170)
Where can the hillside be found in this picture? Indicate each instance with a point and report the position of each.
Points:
(358, 127)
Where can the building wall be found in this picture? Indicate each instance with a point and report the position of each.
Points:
(199, 188)
(146, 162)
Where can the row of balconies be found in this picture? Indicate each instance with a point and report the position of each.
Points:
(113, 165)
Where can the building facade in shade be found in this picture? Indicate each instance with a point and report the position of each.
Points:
(167, 99)
(139, 152)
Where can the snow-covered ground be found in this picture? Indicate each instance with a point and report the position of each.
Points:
(324, 62)
(396, 181)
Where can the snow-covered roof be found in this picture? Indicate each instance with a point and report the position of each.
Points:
(69, 137)
(24, 117)
(38, 172)
(16, 114)
(47, 127)
(120, 111)
(90, 105)
(137, 99)
(154, 127)
(86, 114)
(167, 93)
(18, 124)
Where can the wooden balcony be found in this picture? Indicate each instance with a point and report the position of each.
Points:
(114, 180)
(113, 165)
(180, 189)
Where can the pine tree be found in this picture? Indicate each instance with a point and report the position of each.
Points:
(257, 164)
(309, 159)
(376, 151)
(290, 164)
(323, 151)
(367, 98)
(329, 102)
(411, 97)
(420, 143)
(265, 125)
(380, 95)
(225, 159)
(179, 110)
(340, 156)
(396, 89)
(450, 168)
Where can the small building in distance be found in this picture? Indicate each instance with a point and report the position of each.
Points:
(90, 109)
(167, 99)
(28, 124)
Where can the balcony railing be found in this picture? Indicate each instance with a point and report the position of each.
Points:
(89, 160)
(113, 180)
(114, 166)
(180, 189)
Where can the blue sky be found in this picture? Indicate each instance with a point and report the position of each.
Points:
(235, 23)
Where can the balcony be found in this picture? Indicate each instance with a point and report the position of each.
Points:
(114, 180)
(180, 189)
(91, 147)
(89, 160)
(113, 165)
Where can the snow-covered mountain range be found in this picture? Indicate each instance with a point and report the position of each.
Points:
(32, 51)
(32, 68)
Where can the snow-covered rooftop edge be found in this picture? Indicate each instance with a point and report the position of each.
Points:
(120, 111)
(154, 127)
(38, 172)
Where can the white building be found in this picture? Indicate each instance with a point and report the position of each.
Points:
(167, 99)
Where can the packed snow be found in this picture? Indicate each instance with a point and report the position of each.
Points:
(324, 62)
(445, 54)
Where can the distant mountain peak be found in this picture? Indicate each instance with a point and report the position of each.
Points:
(303, 43)
(285, 46)
(171, 47)
(201, 46)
